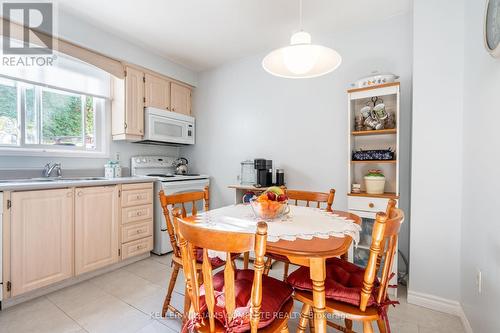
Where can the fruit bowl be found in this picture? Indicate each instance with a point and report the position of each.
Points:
(270, 205)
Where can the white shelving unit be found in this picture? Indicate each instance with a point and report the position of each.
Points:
(363, 204)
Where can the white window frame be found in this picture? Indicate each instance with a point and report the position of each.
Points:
(102, 122)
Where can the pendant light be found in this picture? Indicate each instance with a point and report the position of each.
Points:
(301, 59)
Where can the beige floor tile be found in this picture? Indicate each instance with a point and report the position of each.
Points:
(165, 259)
(38, 315)
(77, 296)
(156, 327)
(109, 314)
(121, 283)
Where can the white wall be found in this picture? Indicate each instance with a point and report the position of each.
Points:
(436, 149)
(243, 112)
(480, 227)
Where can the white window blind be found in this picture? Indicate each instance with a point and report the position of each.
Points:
(66, 73)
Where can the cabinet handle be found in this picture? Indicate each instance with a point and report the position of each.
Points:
(168, 108)
(139, 213)
(371, 205)
(80, 193)
(140, 231)
(173, 109)
(125, 125)
(138, 197)
(139, 247)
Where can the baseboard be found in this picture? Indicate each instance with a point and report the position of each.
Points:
(465, 321)
(440, 304)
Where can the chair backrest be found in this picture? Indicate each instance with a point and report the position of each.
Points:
(308, 197)
(180, 200)
(192, 237)
(383, 247)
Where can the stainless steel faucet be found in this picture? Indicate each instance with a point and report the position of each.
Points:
(47, 170)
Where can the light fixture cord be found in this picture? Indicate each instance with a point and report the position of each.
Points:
(300, 15)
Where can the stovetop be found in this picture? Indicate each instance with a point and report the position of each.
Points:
(160, 167)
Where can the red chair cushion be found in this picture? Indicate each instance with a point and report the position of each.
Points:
(215, 261)
(343, 282)
(275, 294)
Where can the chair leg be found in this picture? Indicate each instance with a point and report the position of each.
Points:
(348, 325)
(367, 327)
(171, 285)
(381, 326)
(246, 259)
(311, 321)
(284, 329)
(285, 271)
(304, 318)
(187, 305)
(267, 266)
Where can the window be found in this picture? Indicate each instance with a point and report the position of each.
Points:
(33, 116)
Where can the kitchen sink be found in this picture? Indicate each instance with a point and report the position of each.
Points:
(79, 178)
(49, 179)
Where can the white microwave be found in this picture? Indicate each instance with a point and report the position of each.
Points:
(166, 127)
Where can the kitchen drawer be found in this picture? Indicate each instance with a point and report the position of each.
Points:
(137, 247)
(137, 186)
(137, 213)
(137, 197)
(133, 231)
(367, 204)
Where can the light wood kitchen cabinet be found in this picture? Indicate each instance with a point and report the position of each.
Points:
(41, 238)
(128, 106)
(157, 92)
(180, 98)
(96, 228)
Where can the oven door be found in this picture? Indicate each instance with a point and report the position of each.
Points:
(165, 129)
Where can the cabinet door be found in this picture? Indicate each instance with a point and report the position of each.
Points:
(134, 102)
(96, 228)
(157, 92)
(180, 98)
(41, 238)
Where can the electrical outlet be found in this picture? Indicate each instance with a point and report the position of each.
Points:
(117, 156)
(479, 281)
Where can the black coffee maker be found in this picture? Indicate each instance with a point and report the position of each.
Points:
(264, 170)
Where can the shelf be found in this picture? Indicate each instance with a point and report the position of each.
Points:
(375, 132)
(385, 195)
(376, 162)
(390, 84)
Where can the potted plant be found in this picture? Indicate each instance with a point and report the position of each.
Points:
(375, 182)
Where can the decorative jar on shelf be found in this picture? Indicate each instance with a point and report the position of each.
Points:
(375, 182)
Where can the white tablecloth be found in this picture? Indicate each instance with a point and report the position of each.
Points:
(301, 222)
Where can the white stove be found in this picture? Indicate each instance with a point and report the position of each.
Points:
(162, 168)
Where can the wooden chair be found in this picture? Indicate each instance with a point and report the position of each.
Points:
(172, 201)
(372, 297)
(295, 197)
(222, 293)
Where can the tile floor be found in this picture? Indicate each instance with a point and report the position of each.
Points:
(130, 299)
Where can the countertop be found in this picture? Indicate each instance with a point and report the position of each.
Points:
(42, 185)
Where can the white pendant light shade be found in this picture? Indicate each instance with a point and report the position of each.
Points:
(301, 59)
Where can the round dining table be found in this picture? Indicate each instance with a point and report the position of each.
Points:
(312, 253)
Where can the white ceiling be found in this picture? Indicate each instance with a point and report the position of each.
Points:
(201, 34)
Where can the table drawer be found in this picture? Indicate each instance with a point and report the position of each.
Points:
(137, 197)
(137, 247)
(133, 231)
(367, 204)
(137, 213)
